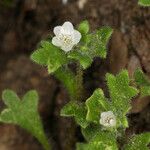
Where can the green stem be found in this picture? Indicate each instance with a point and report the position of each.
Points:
(79, 82)
(73, 83)
(44, 141)
(68, 79)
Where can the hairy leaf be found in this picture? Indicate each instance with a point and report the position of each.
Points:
(50, 56)
(84, 59)
(101, 141)
(24, 113)
(103, 36)
(142, 82)
(73, 109)
(139, 142)
(90, 131)
(96, 104)
(93, 45)
(121, 92)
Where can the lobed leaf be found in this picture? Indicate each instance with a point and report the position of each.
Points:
(24, 113)
(93, 45)
(96, 104)
(73, 109)
(102, 141)
(142, 82)
(84, 59)
(121, 94)
(120, 91)
(50, 56)
(103, 36)
(90, 131)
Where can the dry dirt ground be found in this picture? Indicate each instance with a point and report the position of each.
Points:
(23, 23)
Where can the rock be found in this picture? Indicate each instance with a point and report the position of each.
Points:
(118, 56)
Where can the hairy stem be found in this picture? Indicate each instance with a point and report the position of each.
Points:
(79, 82)
(68, 79)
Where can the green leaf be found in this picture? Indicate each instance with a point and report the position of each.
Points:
(120, 91)
(142, 82)
(84, 27)
(50, 56)
(144, 2)
(140, 78)
(69, 109)
(103, 36)
(102, 141)
(73, 109)
(96, 104)
(84, 59)
(121, 94)
(139, 142)
(24, 113)
(93, 45)
(145, 91)
(90, 131)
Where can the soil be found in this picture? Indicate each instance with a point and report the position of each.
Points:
(23, 23)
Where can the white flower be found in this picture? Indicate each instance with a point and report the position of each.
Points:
(66, 36)
(108, 119)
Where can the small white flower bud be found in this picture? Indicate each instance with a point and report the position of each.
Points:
(108, 119)
(66, 36)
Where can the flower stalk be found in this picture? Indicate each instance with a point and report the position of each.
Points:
(79, 82)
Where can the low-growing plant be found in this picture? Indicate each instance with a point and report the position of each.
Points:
(103, 119)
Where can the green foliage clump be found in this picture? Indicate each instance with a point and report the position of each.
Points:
(91, 45)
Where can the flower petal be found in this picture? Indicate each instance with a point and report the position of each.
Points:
(68, 27)
(57, 30)
(101, 121)
(56, 42)
(103, 114)
(77, 37)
